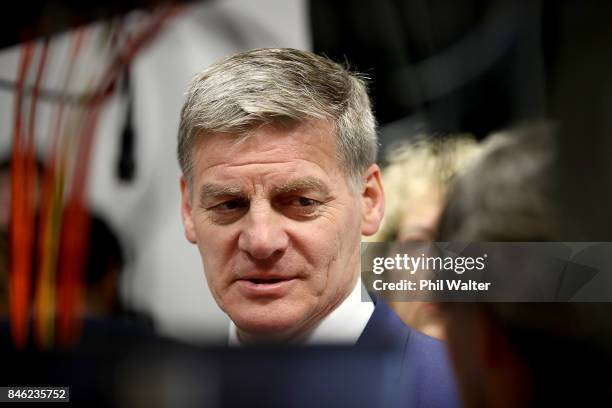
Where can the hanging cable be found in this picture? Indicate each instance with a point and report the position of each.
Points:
(22, 216)
(126, 165)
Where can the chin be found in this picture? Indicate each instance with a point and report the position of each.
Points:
(273, 322)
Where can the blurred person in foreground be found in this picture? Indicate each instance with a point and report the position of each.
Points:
(277, 150)
(416, 180)
(521, 354)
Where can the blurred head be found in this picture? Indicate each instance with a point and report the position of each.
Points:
(104, 264)
(507, 194)
(277, 149)
(415, 181)
(517, 354)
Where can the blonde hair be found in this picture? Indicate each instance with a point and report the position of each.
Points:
(418, 167)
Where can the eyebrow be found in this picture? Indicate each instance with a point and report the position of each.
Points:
(302, 184)
(210, 191)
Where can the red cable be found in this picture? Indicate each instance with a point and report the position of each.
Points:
(22, 217)
(51, 201)
(75, 225)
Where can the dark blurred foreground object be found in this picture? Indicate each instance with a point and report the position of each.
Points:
(137, 371)
(122, 363)
(522, 354)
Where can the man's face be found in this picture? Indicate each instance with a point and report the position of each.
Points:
(278, 226)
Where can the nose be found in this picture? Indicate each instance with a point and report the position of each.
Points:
(262, 236)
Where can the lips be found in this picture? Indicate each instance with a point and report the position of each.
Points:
(265, 280)
(265, 286)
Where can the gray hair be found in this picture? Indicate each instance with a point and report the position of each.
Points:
(273, 85)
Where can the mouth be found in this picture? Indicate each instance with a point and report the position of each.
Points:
(265, 281)
(272, 286)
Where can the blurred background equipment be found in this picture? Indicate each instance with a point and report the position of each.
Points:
(49, 223)
(442, 65)
(478, 66)
(107, 144)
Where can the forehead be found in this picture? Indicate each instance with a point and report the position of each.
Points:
(268, 153)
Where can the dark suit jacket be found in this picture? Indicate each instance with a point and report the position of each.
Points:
(420, 375)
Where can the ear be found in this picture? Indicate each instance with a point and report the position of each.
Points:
(186, 212)
(373, 201)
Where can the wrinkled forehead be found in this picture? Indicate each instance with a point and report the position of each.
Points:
(323, 128)
(309, 138)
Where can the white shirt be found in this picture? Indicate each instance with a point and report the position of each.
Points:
(343, 325)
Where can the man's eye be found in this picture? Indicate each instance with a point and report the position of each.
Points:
(302, 206)
(227, 211)
(304, 202)
(230, 205)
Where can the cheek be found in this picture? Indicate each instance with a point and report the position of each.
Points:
(216, 253)
(336, 249)
(348, 233)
